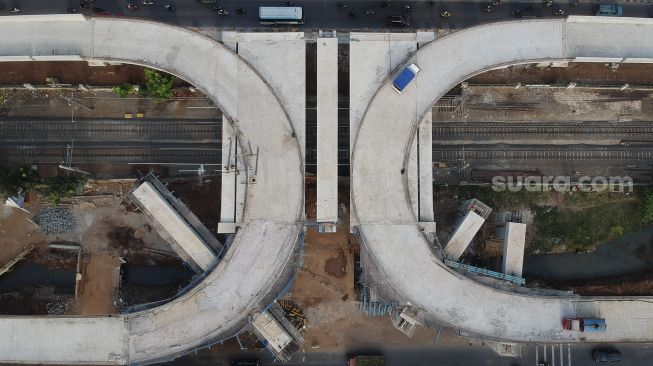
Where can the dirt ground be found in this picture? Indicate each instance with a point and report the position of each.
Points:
(101, 103)
(17, 233)
(325, 290)
(106, 228)
(35, 73)
(586, 73)
(99, 286)
(507, 104)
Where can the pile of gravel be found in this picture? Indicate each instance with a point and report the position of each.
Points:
(55, 220)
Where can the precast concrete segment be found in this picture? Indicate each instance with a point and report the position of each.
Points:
(381, 204)
(513, 248)
(174, 225)
(220, 304)
(327, 130)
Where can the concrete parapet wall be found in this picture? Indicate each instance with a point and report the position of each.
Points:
(380, 190)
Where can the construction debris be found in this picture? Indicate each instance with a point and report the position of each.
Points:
(55, 220)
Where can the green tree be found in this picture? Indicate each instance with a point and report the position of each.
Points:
(157, 85)
(18, 180)
(646, 208)
(124, 90)
(56, 188)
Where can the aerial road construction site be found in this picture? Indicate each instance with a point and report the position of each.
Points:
(206, 200)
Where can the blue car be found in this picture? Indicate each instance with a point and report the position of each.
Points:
(609, 10)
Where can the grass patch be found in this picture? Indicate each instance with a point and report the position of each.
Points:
(578, 221)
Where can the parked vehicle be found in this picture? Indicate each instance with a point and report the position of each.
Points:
(399, 21)
(170, 7)
(132, 6)
(586, 325)
(609, 10)
(366, 361)
(148, 2)
(404, 78)
(606, 355)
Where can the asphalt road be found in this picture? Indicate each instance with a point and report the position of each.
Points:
(322, 14)
(442, 355)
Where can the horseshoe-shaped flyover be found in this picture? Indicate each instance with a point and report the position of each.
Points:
(381, 203)
(262, 249)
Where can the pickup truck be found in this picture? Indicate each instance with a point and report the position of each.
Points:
(405, 77)
(586, 325)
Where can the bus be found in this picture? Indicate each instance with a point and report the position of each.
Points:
(271, 15)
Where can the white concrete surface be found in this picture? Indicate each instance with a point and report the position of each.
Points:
(261, 249)
(232, 187)
(281, 60)
(372, 56)
(175, 226)
(327, 130)
(271, 331)
(425, 143)
(513, 248)
(463, 235)
(54, 339)
(381, 203)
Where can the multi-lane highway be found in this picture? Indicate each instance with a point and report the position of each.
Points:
(323, 13)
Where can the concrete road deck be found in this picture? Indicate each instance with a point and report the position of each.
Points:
(218, 306)
(382, 206)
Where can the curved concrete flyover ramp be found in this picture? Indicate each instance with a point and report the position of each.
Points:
(380, 195)
(261, 251)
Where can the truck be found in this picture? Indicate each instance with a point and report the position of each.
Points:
(404, 78)
(585, 325)
(366, 361)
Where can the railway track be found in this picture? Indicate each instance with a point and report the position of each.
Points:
(107, 130)
(487, 131)
(111, 155)
(29, 141)
(499, 152)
